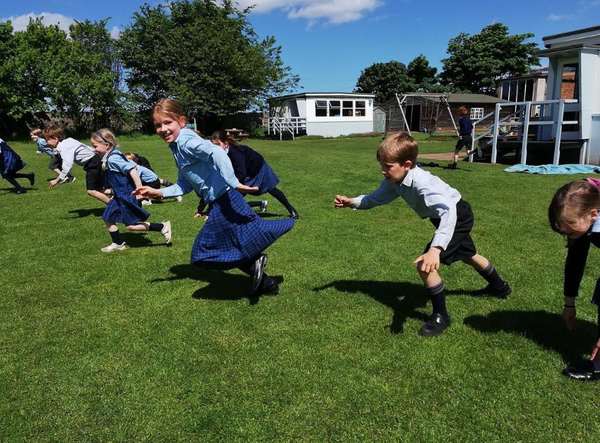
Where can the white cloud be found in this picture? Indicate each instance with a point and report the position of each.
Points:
(115, 32)
(48, 18)
(332, 11)
(584, 8)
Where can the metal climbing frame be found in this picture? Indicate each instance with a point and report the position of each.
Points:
(429, 109)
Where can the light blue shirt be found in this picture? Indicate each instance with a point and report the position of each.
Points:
(43, 147)
(146, 175)
(116, 162)
(428, 195)
(203, 167)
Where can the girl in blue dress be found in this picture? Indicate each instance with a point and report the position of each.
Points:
(234, 235)
(251, 169)
(10, 165)
(121, 175)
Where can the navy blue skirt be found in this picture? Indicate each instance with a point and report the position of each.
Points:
(235, 234)
(266, 179)
(124, 207)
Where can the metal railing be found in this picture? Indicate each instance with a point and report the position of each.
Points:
(286, 125)
(550, 113)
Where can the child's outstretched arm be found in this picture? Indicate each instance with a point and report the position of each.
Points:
(341, 201)
(430, 260)
(147, 192)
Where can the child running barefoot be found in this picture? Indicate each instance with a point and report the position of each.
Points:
(573, 213)
(122, 177)
(234, 235)
(10, 165)
(431, 198)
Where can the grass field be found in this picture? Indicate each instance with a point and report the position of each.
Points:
(140, 346)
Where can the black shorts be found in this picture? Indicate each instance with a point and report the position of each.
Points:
(55, 162)
(466, 140)
(155, 184)
(94, 178)
(461, 245)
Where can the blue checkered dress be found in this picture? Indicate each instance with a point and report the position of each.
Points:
(266, 179)
(234, 234)
(123, 208)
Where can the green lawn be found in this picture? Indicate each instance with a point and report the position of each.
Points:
(140, 346)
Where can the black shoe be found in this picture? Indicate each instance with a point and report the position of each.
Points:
(294, 215)
(272, 289)
(585, 371)
(452, 166)
(436, 324)
(259, 272)
(31, 177)
(489, 291)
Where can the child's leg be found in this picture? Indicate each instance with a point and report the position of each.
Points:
(115, 235)
(496, 286)
(164, 182)
(164, 228)
(16, 184)
(98, 195)
(262, 283)
(281, 198)
(434, 284)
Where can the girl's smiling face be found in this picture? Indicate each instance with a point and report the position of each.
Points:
(100, 147)
(168, 126)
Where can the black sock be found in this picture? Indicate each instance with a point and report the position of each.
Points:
(491, 276)
(166, 183)
(281, 198)
(116, 237)
(438, 299)
(254, 204)
(156, 227)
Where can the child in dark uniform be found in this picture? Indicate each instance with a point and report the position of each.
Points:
(431, 198)
(121, 175)
(10, 165)
(234, 235)
(573, 213)
(251, 169)
(465, 137)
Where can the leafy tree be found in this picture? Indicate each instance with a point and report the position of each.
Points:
(475, 62)
(204, 54)
(384, 79)
(422, 75)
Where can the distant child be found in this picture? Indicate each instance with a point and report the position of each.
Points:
(431, 198)
(10, 165)
(73, 151)
(55, 163)
(122, 178)
(234, 236)
(573, 213)
(465, 137)
(251, 169)
(148, 176)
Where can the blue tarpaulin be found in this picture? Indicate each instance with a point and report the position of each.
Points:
(554, 169)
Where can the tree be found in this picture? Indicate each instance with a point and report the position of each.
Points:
(476, 62)
(204, 55)
(422, 75)
(384, 80)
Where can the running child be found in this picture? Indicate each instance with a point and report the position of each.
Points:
(122, 178)
(10, 165)
(148, 176)
(573, 213)
(432, 198)
(234, 235)
(55, 163)
(465, 137)
(73, 151)
(251, 169)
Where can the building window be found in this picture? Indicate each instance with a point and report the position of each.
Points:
(334, 108)
(321, 108)
(337, 108)
(361, 110)
(347, 108)
(569, 85)
(476, 113)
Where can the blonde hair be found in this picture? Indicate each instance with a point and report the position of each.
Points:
(398, 148)
(170, 107)
(572, 202)
(37, 132)
(54, 131)
(105, 136)
(131, 156)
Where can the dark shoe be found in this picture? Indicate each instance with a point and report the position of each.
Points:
(452, 166)
(31, 177)
(259, 272)
(436, 324)
(294, 215)
(272, 289)
(489, 291)
(585, 371)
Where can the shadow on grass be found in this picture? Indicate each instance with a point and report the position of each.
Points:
(404, 299)
(221, 285)
(141, 239)
(543, 328)
(12, 190)
(79, 213)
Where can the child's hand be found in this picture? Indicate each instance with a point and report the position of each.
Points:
(38, 152)
(147, 192)
(430, 261)
(341, 201)
(246, 189)
(569, 317)
(53, 183)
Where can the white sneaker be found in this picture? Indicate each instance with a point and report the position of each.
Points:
(146, 202)
(263, 206)
(114, 247)
(179, 198)
(166, 231)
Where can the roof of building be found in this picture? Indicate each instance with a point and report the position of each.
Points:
(453, 98)
(324, 94)
(566, 34)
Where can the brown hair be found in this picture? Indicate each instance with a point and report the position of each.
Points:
(168, 106)
(37, 132)
(571, 202)
(54, 131)
(398, 148)
(222, 136)
(463, 111)
(131, 156)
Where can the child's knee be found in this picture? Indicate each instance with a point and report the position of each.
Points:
(91, 192)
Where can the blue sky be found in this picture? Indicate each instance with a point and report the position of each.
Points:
(328, 42)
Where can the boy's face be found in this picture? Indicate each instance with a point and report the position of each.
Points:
(395, 172)
(168, 126)
(34, 137)
(52, 142)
